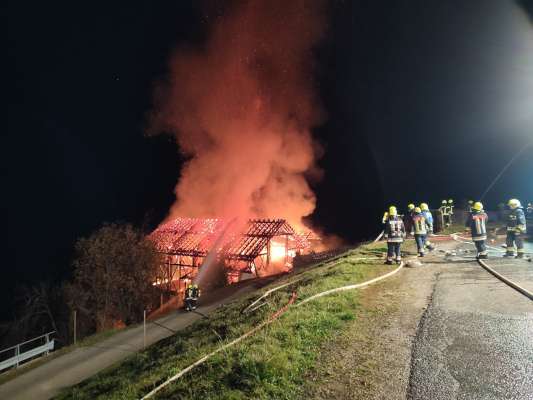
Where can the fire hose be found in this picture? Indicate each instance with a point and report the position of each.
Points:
(490, 270)
(175, 377)
(456, 237)
(251, 307)
(350, 287)
(271, 319)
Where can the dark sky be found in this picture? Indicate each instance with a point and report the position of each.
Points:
(425, 100)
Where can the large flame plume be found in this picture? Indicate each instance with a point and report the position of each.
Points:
(242, 108)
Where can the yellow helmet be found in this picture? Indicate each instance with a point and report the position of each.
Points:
(477, 206)
(392, 211)
(418, 210)
(444, 202)
(424, 207)
(514, 203)
(195, 286)
(410, 206)
(470, 202)
(450, 201)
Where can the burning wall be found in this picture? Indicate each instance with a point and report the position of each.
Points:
(193, 245)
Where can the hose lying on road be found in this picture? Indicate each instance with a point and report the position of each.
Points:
(506, 280)
(501, 277)
(456, 237)
(272, 318)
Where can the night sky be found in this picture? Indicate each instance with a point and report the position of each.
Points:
(425, 100)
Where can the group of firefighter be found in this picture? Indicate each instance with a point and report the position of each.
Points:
(418, 222)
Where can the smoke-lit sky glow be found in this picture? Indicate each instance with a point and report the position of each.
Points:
(472, 109)
(502, 53)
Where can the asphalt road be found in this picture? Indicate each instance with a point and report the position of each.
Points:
(47, 380)
(475, 340)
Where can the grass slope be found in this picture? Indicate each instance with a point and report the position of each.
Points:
(271, 364)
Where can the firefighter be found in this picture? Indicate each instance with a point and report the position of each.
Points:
(444, 213)
(429, 224)
(529, 211)
(394, 233)
(420, 230)
(191, 297)
(477, 223)
(516, 227)
(408, 218)
(450, 210)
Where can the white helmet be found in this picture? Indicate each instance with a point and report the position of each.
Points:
(514, 203)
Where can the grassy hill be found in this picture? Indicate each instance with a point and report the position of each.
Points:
(273, 363)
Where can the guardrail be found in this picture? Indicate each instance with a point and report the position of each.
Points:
(20, 354)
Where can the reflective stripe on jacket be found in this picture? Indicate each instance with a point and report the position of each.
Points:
(394, 229)
(429, 220)
(516, 221)
(477, 222)
(419, 224)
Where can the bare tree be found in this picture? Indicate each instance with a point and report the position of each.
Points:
(114, 271)
(39, 309)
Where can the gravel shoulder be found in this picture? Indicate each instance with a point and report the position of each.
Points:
(444, 330)
(371, 359)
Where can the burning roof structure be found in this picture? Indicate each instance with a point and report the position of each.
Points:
(260, 247)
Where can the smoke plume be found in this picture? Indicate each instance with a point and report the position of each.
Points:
(241, 108)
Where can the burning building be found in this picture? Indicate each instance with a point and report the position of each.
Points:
(192, 246)
(241, 108)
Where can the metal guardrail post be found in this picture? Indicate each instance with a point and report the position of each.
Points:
(17, 354)
(47, 340)
(21, 356)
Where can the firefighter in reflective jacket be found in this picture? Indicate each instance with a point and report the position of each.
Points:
(451, 206)
(394, 233)
(477, 222)
(191, 297)
(420, 231)
(444, 213)
(516, 227)
(429, 224)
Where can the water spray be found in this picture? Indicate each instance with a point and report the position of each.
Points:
(511, 161)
